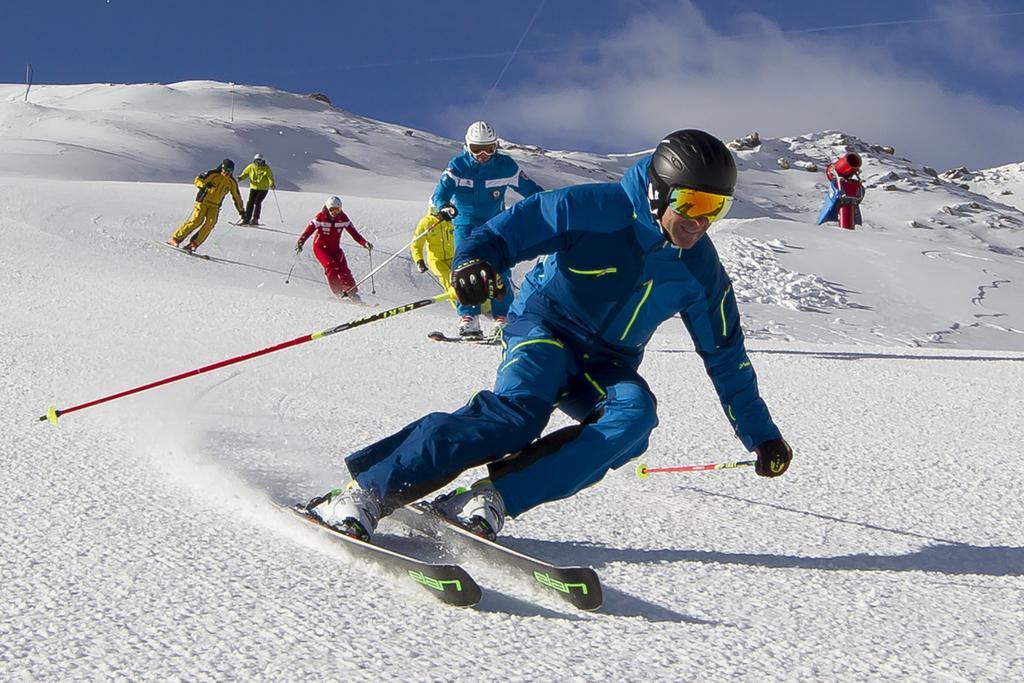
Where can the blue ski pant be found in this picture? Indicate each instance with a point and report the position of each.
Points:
(537, 373)
(499, 307)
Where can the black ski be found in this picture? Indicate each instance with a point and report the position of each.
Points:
(448, 583)
(439, 336)
(580, 586)
(186, 252)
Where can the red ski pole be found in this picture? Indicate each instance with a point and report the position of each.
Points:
(643, 471)
(53, 413)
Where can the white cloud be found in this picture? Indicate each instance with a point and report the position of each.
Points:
(980, 37)
(668, 69)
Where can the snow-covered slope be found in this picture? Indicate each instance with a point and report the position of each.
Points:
(166, 133)
(139, 538)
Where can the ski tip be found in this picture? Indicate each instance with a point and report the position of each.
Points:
(642, 472)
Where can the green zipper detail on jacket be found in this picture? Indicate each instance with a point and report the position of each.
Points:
(650, 283)
(595, 273)
(597, 386)
(535, 341)
(722, 309)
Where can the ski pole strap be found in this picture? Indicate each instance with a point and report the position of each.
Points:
(53, 413)
(643, 471)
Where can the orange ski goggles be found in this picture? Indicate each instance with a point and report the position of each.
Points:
(693, 204)
(488, 149)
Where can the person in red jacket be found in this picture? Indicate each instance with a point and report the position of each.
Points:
(328, 224)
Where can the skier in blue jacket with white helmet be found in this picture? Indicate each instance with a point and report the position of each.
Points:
(621, 259)
(475, 182)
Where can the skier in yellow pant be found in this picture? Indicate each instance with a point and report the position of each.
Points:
(435, 249)
(213, 186)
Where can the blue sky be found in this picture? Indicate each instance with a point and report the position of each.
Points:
(940, 80)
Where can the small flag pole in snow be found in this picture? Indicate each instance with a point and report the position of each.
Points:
(643, 471)
(28, 80)
(52, 413)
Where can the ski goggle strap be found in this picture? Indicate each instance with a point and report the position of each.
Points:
(489, 148)
(693, 204)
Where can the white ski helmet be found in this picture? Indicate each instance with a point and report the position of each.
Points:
(258, 157)
(480, 133)
(333, 202)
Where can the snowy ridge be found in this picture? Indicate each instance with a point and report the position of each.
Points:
(1004, 184)
(141, 539)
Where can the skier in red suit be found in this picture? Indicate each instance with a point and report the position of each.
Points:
(328, 225)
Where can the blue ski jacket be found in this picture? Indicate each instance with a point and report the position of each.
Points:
(608, 278)
(478, 190)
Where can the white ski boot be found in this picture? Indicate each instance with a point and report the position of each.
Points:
(352, 510)
(469, 326)
(479, 508)
(499, 326)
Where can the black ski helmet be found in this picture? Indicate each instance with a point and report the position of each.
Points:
(689, 158)
(228, 165)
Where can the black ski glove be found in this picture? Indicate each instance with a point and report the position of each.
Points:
(298, 246)
(773, 458)
(475, 281)
(447, 212)
(421, 266)
(369, 246)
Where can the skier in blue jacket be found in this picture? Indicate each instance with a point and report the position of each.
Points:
(475, 181)
(621, 259)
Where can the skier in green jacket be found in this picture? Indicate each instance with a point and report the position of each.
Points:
(261, 180)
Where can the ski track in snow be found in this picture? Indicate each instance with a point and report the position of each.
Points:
(142, 540)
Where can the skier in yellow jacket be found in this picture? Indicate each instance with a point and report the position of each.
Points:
(213, 186)
(435, 249)
(261, 181)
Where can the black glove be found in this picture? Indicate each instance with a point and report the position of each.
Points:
(298, 247)
(447, 212)
(421, 266)
(475, 281)
(773, 458)
(368, 245)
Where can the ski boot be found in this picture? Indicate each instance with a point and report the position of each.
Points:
(499, 326)
(352, 510)
(469, 326)
(479, 508)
